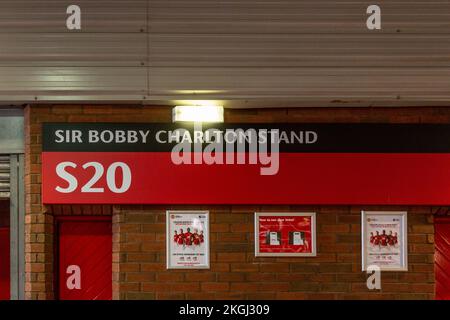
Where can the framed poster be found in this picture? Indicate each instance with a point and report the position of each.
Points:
(384, 240)
(187, 236)
(285, 234)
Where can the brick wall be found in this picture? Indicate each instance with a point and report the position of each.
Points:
(140, 265)
(138, 232)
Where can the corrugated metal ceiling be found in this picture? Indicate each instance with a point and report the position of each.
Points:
(252, 53)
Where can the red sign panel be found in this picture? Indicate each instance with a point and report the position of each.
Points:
(312, 164)
(85, 259)
(395, 179)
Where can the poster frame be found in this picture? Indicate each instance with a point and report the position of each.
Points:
(169, 238)
(313, 252)
(403, 237)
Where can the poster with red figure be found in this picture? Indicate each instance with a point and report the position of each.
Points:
(285, 234)
(384, 240)
(187, 239)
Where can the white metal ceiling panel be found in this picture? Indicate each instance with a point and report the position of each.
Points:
(164, 50)
(37, 16)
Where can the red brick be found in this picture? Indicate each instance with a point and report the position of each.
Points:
(231, 277)
(320, 296)
(232, 237)
(214, 286)
(169, 277)
(290, 295)
(257, 277)
(201, 276)
(155, 287)
(170, 296)
(229, 296)
(129, 267)
(231, 256)
(184, 287)
(335, 228)
(261, 295)
(153, 267)
(141, 257)
(220, 267)
(140, 277)
(199, 296)
(244, 286)
(242, 227)
(274, 286)
(395, 287)
(422, 248)
(244, 267)
(220, 227)
(274, 267)
(422, 287)
(423, 229)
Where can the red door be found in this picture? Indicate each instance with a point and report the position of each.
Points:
(85, 259)
(442, 257)
(4, 264)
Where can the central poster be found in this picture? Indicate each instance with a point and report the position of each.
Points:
(285, 234)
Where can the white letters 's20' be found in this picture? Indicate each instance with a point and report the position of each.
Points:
(99, 170)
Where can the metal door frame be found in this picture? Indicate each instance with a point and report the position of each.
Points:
(14, 148)
(17, 226)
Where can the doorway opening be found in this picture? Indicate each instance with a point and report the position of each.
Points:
(442, 257)
(4, 250)
(84, 257)
(12, 205)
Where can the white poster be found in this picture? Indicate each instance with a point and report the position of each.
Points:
(384, 240)
(187, 239)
